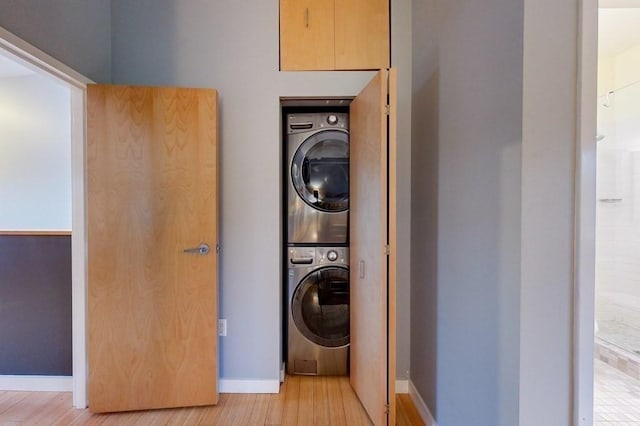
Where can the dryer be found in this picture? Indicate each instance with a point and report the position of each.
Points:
(318, 306)
(318, 178)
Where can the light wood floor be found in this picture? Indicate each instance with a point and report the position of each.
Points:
(301, 401)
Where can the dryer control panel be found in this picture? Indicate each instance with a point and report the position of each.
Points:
(314, 256)
(297, 123)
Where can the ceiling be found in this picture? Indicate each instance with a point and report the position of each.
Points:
(10, 68)
(618, 27)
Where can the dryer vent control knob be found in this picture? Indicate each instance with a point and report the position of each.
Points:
(332, 119)
(332, 255)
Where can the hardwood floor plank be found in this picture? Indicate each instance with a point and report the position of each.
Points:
(127, 418)
(336, 408)
(276, 406)
(353, 410)
(290, 412)
(26, 406)
(153, 418)
(260, 408)
(186, 416)
(73, 417)
(320, 401)
(9, 399)
(237, 410)
(49, 413)
(303, 400)
(212, 414)
(407, 409)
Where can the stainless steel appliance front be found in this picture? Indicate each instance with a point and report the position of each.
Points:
(318, 178)
(318, 296)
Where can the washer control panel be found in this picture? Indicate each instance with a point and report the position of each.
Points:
(333, 255)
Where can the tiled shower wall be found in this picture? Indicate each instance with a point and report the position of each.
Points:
(618, 220)
(623, 361)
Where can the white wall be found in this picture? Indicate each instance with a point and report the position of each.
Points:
(606, 74)
(35, 154)
(626, 67)
(619, 70)
(233, 47)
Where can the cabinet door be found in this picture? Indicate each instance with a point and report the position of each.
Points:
(372, 180)
(306, 35)
(361, 34)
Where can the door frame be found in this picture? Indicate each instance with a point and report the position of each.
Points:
(43, 63)
(585, 215)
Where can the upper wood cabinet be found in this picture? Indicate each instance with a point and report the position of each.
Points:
(334, 35)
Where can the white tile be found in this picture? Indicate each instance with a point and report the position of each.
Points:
(616, 397)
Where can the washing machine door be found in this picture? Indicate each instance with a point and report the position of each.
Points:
(320, 307)
(320, 171)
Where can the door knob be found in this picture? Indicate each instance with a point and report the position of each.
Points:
(202, 249)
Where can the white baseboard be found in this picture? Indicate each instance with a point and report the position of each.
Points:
(402, 386)
(421, 406)
(249, 386)
(36, 383)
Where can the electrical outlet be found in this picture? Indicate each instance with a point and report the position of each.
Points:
(222, 327)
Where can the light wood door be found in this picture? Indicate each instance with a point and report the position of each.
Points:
(362, 34)
(152, 192)
(372, 228)
(306, 35)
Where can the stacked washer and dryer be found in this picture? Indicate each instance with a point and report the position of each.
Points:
(318, 243)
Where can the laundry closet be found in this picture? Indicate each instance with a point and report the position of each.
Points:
(316, 163)
(338, 203)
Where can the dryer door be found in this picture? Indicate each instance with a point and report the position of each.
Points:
(320, 171)
(320, 307)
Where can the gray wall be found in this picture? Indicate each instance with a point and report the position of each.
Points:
(35, 307)
(402, 58)
(233, 47)
(76, 32)
(494, 119)
(467, 135)
(548, 194)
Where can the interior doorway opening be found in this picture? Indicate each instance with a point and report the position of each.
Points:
(329, 173)
(35, 226)
(617, 260)
(39, 62)
(315, 223)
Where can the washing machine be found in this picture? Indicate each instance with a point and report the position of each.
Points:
(318, 305)
(318, 181)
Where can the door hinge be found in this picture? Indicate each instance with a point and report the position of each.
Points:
(217, 247)
(387, 250)
(386, 408)
(387, 109)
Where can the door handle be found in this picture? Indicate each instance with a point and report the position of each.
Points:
(202, 249)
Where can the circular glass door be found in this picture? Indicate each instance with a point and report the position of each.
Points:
(320, 171)
(320, 307)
